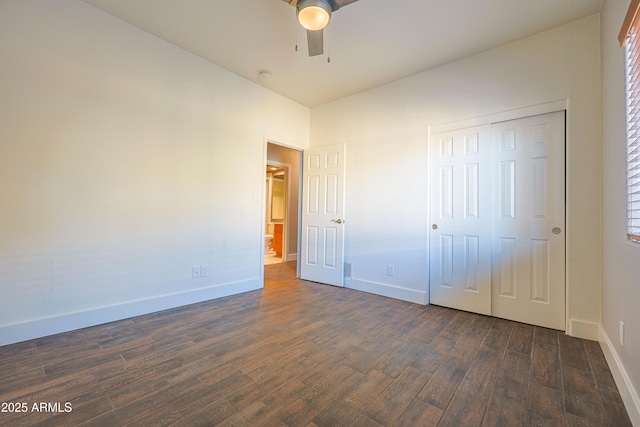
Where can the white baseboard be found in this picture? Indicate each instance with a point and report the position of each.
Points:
(38, 328)
(582, 329)
(291, 257)
(627, 391)
(385, 290)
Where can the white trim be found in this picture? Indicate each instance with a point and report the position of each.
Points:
(386, 290)
(582, 329)
(263, 204)
(519, 113)
(628, 393)
(287, 201)
(10, 334)
(569, 322)
(427, 249)
(291, 257)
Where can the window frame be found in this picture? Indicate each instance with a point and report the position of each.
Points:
(629, 39)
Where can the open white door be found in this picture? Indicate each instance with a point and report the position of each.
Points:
(322, 246)
(460, 255)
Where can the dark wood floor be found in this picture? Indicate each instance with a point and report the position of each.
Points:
(304, 354)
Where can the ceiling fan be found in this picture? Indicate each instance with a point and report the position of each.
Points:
(314, 15)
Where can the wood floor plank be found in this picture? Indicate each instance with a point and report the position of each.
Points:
(252, 392)
(466, 409)
(29, 360)
(108, 419)
(150, 405)
(404, 355)
(435, 353)
(505, 408)
(228, 384)
(15, 383)
(573, 353)
(163, 349)
(281, 359)
(575, 421)
(581, 396)
(133, 390)
(193, 403)
(444, 382)
(390, 405)
(457, 326)
(545, 368)
(480, 376)
(521, 338)
(513, 375)
(469, 344)
(51, 389)
(18, 350)
(133, 373)
(364, 421)
(211, 414)
(435, 325)
(263, 410)
(546, 339)
(497, 337)
(97, 361)
(303, 353)
(348, 407)
(420, 414)
(545, 406)
(318, 372)
(614, 410)
(371, 354)
(303, 410)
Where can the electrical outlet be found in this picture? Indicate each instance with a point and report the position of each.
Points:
(391, 270)
(204, 270)
(621, 333)
(195, 271)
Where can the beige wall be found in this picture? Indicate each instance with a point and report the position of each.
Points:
(620, 258)
(124, 161)
(386, 129)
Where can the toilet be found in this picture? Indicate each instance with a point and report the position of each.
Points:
(268, 245)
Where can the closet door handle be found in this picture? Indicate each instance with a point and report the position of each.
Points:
(337, 221)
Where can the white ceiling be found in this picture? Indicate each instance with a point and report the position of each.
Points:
(370, 42)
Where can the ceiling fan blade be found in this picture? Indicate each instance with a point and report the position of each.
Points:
(315, 41)
(335, 4)
(343, 3)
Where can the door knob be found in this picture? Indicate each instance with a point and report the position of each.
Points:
(337, 221)
(434, 226)
(556, 230)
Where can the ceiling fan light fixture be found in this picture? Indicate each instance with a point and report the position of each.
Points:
(313, 15)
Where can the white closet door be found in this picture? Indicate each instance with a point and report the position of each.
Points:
(529, 226)
(460, 253)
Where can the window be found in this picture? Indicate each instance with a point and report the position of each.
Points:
(630, 39)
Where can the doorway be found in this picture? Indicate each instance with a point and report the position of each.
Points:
(276, 207)
(282, 198)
